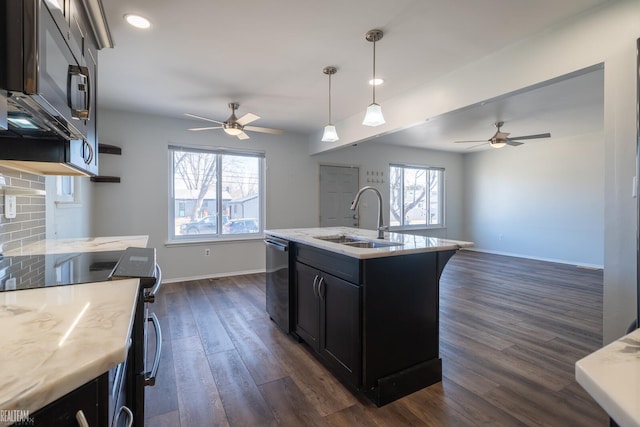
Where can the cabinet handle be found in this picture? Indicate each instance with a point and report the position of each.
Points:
(81, 419)
(87, 152)
(315, 281)
(321, 293)
(127, 411)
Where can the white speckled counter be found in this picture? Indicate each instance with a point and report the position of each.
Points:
(89, 244)
(58, 338)
(407, 243)
(611, 376)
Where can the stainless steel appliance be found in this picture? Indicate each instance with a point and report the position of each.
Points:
(279, 296)
(48, 65)
(141, 263)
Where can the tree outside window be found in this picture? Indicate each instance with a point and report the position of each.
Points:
(215, 192)
(416, 196)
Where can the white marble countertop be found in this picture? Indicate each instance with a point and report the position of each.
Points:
(407, 243)
(611, 376)
(55, 339)
(89, 244)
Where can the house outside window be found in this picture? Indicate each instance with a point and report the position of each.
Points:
(215, 193)
(416, 196)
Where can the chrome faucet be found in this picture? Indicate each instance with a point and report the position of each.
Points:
(354, 206)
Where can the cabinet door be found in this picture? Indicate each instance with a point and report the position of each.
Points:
(340, 326)
(307, 308)
(90, 398)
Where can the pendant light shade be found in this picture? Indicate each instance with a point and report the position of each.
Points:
(330, 134)
(374, 116)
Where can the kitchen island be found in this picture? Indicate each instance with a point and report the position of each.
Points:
(56, 339)
(368, 307)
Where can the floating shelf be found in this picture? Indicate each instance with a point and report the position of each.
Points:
(109, 149)
(105, 179)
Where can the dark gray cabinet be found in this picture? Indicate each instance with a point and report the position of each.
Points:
(328, 319)
(374, 322)
(91, 399)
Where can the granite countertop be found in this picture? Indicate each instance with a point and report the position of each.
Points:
(55, 339)
(89, 244)
(611, 376)
(407, 243)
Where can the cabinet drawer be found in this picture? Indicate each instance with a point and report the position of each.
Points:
(341, 266)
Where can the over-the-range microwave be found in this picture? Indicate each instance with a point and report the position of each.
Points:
(45, 91)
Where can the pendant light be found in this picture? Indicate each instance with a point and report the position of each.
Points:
(374, 111)
(330, 134)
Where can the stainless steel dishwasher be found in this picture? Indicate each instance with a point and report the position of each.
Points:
(278, 275)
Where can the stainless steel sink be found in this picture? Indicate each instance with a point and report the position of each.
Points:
(371, 244)
(337, 239)
(357, 242)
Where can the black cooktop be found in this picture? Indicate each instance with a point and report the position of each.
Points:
(37, 271)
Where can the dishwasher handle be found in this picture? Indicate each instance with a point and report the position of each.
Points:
(282, 247)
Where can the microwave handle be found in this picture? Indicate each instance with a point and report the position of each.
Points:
(79, 80)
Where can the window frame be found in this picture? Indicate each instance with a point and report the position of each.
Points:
(220, 236)
(441, 193)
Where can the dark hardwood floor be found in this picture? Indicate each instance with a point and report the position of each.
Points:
(511, 330)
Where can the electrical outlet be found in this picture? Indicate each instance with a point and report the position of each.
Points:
(207, 252)
(9, 206)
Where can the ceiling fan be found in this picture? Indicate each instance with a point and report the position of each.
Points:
(500, 139)
(236, 126)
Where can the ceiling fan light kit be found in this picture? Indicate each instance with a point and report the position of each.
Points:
(374, 116)
(234, 126)
(330, 134)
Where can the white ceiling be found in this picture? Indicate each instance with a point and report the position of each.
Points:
(199, 55)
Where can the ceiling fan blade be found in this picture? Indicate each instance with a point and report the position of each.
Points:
(264, 130)
(501, 135)
(247, 118)
(207, 128)
(243, 135)
(479, 140)
(478, 145)
(202, 118)
(513, 143)
(540, 135)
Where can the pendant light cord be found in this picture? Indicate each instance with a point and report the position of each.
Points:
(374, 71)
(329, 98)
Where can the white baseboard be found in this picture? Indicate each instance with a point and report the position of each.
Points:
(212, 276)
(559, 261)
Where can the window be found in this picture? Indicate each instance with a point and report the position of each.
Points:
(215, 193)
(66, 190)
(416, 196)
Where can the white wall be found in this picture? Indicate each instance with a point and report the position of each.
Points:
(542, 200)
(139, 204)
(376, 157)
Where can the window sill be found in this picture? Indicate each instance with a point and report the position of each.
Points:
(417, 227)
(215, 240)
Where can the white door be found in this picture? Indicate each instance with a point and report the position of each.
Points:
(338, 188)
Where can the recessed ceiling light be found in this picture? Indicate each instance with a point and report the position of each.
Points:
(137, 21)
(376, 82)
